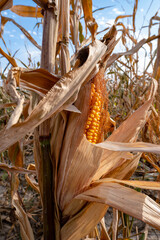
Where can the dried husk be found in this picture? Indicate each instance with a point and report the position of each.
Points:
(129, 201)
(84, 222)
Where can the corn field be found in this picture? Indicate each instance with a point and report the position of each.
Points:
(91, 121)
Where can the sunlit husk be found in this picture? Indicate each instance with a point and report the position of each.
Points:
(129, 201)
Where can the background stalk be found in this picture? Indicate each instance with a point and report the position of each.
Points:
(65, 20)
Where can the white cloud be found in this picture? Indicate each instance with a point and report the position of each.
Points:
(6, 31)
(116, 11)
(142, 10)
(5, 13)
(29, 31)
(22, 36)
(13, 30)
(34, 33)
(11, 35)
(110, 21)
(102, 23)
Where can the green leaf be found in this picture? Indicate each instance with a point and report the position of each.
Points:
(81, 36)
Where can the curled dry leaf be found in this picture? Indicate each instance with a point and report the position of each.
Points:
(3, 22)
(25, 227)
(133, 183)
(9, 58)
(30, 178)
(39, 80)
(115, 56)
(89, 20)
(121, 16)
(41, 3)
(82, 223)
(15, 169)
(10, 87)
(134, 14)
(27, 11)
(129, 201)
(5, 4)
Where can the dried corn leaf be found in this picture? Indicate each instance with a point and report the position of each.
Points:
(150, 160)
(84, 222)
(25, 227)
(15, 169)
(7, 105)
(30, 178)
(123, 169)
(115, 56)
(5, 4)
(89, 20)
(9, 58)
(133, 183)
(16, 155)
(130, 147)
(134, 14)
(126, 32)
(39, 80)
(104, 233)
(41, 3)
(121, 16)
(53, 102)
(3, 22)
(10, 87)
(17, 113)
(110, 161)
(126, 200)
(27, 11)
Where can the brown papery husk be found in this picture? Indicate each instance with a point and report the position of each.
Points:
(77, 157)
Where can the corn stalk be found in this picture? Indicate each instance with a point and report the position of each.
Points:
(50, 33)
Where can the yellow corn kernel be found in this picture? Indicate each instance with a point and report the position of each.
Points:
(90, 133)
(91, 130)
(91, 115)
(95, 134)
(97, 108)
(89, 137)
(93, 111)
(93, 127)
(94, 124)
(89, 119)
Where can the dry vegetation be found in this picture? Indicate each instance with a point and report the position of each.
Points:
(80, 134)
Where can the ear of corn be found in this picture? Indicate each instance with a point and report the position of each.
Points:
(94, 128)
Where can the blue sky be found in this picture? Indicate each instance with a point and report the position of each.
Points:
(15, 39)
